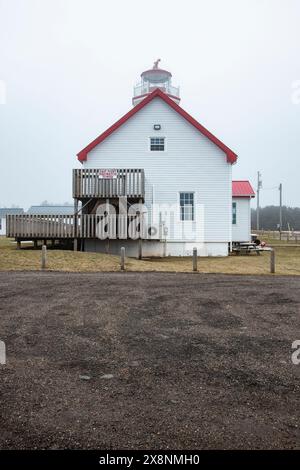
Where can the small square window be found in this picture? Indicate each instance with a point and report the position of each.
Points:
(157, 144)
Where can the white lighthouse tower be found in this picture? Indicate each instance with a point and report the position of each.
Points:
(152, 79)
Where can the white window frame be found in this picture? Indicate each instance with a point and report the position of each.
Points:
(234, 204)
(194, 207)
(157, 137)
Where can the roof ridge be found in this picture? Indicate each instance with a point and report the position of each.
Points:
(231, 156)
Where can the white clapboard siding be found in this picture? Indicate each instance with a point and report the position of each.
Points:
(241, 231)
(191, 162)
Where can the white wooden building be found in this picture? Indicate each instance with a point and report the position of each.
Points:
(242, 192)
(188, 172)
(156, 182)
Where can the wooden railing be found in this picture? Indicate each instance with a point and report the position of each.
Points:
(29, 227)
(40, 226)
(89, 183)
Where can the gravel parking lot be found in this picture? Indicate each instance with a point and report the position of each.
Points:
(149, 360)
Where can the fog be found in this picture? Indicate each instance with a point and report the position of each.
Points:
(68, 68)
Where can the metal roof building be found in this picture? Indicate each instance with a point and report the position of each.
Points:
(4, 211)
(50, 210)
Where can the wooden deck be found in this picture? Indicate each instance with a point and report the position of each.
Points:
(30, 227)
(90, 183)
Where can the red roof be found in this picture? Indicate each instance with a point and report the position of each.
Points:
(242, 189)
(231, 156)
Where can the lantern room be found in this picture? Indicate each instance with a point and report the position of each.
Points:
(152, 79)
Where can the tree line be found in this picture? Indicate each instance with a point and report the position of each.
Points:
(269, 218)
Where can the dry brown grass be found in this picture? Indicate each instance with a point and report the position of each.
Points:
(287, 261)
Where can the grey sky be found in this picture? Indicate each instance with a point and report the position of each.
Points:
(69, 67)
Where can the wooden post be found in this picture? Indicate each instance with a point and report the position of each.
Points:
(122, 258)
(108, 222)
(18, 244)
(140, 242)
(53, 242)
(272, 261)
(140, 248)
(35, 244)
(75, 246)
(44, 256)
(194, 259)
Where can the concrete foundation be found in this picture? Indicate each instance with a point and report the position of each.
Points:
(155, 248)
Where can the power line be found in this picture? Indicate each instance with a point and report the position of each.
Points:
(259, 186)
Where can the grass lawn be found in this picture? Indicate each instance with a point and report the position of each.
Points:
(11, 259)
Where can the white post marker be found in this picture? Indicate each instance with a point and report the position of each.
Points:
(2, 353)
(44, 256)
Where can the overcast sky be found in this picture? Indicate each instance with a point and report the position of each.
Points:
(69, 66)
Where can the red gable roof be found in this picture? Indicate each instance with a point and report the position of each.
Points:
(231, 156)
(242, 189)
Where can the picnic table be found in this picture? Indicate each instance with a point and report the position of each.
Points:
(246, 248)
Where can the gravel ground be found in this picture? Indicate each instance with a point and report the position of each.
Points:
(149, 360)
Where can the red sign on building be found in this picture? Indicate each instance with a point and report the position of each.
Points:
(108, 173)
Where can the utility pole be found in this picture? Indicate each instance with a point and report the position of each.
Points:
(280, 209)
(259, 186)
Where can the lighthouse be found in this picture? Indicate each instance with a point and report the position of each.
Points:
(151, 80)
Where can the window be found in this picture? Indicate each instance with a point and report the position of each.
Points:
(234, 213)
(186, 206)
(157, 144)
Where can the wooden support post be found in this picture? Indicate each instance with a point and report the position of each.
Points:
(18, 244)
(35, 244)
(75, 246)
(194, 259)
(122, 258)
(44, 257)
(108, 225)
(272, 261)
(140, 242)
(53, 243)
(45, 242)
